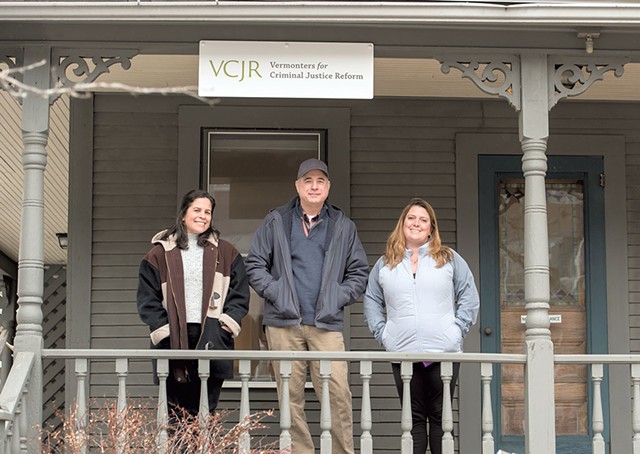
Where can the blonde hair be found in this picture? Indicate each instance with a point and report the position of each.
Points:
(396, 243)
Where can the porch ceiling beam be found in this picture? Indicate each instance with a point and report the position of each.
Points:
(579, 14)
(380, 51)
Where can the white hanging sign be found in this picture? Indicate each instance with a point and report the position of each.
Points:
(248, 69)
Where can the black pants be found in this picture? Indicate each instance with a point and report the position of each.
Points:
(186, 396)
(426, 404)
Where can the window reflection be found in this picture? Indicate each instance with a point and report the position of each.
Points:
(565, 211)
(250, 173)
(565, 217)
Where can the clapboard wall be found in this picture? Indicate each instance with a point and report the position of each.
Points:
(399, 149)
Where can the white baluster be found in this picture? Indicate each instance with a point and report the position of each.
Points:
(597, 373)
(4, 435)
(635, 379)
(122, 370)
(446, 373)
(285, 409)
(366, 441)
(22, 420)
(325, 408)
(406, 422)
(163, 412)
(81, 417)
(244, 370)
(486, 374)
(15, 432)
(203, 411)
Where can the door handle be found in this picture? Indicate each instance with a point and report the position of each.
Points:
(488, 331)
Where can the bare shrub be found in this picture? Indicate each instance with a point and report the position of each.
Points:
(135, 430)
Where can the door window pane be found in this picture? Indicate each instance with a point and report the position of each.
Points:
(565, 214)
(249, 173)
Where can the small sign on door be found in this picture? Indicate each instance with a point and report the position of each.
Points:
(557, 318)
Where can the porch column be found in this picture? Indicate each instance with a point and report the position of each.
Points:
(7, 304)
(539, 378)
(35, 131)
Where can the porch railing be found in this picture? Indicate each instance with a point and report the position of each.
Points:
(13, 423)
(598, 363)
(13, 420)
(121, 359)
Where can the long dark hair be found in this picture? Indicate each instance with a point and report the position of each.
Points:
(182, 238)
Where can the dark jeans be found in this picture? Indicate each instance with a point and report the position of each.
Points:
(186, 396)
(426, 404)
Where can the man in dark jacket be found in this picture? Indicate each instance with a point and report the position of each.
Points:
(307, 262)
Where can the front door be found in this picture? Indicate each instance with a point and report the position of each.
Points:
(577, 312)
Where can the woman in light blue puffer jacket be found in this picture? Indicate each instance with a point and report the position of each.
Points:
(421, 297)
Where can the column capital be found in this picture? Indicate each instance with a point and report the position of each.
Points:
(572, 75)
(500, 74)
(68, 67)
(10, 58)
(73, 66)
(494, 74)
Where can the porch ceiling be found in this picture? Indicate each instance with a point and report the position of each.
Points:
(396, 28)
(406, 36)
(394, 77)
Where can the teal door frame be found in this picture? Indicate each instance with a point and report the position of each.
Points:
(491, 168)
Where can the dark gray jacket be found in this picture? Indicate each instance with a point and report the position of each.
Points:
(344, 274)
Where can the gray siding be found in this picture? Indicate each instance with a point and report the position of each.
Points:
(622, 119)
(399, 149)
(631, 119)
(134, 193)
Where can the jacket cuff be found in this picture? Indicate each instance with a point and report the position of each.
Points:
(159, 334)
(231, 324)
(464, 327)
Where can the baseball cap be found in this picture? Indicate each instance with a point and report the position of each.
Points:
(312, 164)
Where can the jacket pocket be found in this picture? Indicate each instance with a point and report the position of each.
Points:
(453, 337)
(164, 344)
(279, 302)
(272, 291)
(213, 337)
(384, 338)
(332, 303)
